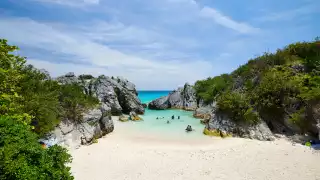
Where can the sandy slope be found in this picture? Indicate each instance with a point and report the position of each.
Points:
(122, 155)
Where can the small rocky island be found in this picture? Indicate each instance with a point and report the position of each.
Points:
(116, 96)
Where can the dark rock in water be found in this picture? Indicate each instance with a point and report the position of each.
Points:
(189, 128)
(182, 98)
(144, 105)
(159, 104)
(221, 123)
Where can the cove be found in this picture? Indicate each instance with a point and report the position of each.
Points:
(159, 127)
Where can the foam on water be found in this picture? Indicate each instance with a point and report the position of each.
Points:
(175, 129)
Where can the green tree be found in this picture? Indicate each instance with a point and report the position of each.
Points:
(22, 157)
(10, 76)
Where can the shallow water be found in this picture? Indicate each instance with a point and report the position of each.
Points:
(159, 127)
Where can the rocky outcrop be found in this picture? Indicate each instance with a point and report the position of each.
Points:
(70, 134)
(159, 104)
(117, 95)
(221, 124)
(182, 98)
(204, 111)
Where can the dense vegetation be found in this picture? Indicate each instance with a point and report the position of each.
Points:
(274, 86)
(31, 105)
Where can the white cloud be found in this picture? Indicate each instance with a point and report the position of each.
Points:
(216, 16)
(226, 21)
(146, 73)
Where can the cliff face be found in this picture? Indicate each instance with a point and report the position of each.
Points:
(116, 96)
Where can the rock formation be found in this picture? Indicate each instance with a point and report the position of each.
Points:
(182, 98)
(95, 125)
(116, 96)
(221, 125)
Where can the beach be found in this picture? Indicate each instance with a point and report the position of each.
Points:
(127, 154)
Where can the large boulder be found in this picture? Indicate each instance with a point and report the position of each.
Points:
(71, 135)
(159, 104)
(182, 98)
(224, 125)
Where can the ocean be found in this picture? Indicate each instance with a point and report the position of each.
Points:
(159, 127)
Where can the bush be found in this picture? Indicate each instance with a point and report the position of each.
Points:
(74, 102)
(22, 157)
(236, 106)
(308, 52)
(86, 76)
(210, 88)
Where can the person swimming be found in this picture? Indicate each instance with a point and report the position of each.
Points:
(168, 122)
(157, 118)
(172, 117)
(178, 117)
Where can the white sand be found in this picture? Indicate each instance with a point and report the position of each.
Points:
(124, 155)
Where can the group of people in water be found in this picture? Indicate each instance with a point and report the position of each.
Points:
(188, 129)
(172, 118)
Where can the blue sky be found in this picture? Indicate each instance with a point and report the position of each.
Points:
(157, 44)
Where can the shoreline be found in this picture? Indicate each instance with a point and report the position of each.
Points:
(123, 154)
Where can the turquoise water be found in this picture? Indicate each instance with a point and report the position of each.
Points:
(175, 128)
(148, 96)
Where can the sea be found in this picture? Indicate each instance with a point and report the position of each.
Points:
(155, 122)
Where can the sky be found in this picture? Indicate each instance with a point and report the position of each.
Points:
(156, 44)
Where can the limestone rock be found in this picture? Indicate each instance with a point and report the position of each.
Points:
(222, 123)
(71, 134)
(159, 104)
(123, 118)
(134, 117)
(182, 98)
(203, 112)
(116, 95)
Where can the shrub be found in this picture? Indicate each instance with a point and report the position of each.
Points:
(22, 157)
(210, 88)
(237, 106)
(86, 76)
(74, 102)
